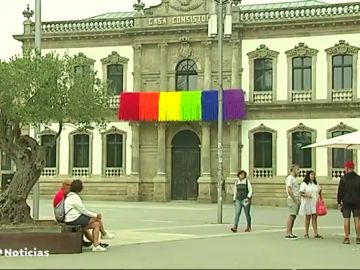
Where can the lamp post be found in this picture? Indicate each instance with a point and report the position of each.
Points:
(36, 187)
(212, 31)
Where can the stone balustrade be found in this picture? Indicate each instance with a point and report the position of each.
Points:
(312, 12)
(86, 26)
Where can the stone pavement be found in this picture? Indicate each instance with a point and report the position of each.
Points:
(184, 234)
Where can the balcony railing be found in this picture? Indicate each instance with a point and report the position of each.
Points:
(113, 171)
(80, 172)
(114, 102)
(263, 172)
(301, 96)
(342, 95)
(263, 97)
(313, 12)
(337, 173)
(86, 26)
(49, 172)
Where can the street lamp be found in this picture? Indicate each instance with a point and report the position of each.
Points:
(223, 27)
(36, 187)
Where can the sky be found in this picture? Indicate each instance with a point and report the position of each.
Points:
(11, 19)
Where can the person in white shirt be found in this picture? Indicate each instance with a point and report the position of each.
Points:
(293, 200)
(242, 199)
(77, 214)
(310, 192)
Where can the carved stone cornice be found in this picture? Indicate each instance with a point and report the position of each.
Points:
(342, 48)
(301, 127)
(262, 128)
(185, 5)
(82, 60)
(163, 45)
(137, 47)
(114, 58)
(235, 43)
(341, 127)
(206, 44)
(263, 52)
(301, 50)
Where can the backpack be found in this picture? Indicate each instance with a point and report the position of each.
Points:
(59, 211)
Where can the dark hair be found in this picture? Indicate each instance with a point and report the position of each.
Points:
(76, 186)
(307, 177)
(240, 172)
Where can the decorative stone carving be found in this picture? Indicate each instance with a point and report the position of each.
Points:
(301, 50)
(186, 5)
(342, 48)
(114, 58)
(262, 52)
(301, 127)
(82, 60)
(185, 51)
(28, 13)
(263, 128)
(340, 127)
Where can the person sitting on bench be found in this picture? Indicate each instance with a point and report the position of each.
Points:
(77, 214)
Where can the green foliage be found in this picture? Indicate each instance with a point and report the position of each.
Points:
(45, 89)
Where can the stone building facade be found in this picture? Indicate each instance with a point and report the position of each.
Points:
(298, 64)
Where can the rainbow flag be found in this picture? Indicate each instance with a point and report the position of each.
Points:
(181, 106)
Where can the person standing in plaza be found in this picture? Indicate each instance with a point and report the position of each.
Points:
(293, 200)
(242, 199)
(348, 199)
(310, 192)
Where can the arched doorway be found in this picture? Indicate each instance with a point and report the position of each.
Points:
(185, 167)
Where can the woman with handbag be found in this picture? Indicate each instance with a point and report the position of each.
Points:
(310, 193)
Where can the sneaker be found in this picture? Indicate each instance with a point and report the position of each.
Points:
(104, 245)
(291, 237)
(346, 241)
(234, 230)
(108, 236)
(99, 248)
(86, 244)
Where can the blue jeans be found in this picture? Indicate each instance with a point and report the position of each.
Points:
(238, 207)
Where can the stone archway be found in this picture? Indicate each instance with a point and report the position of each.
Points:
(185, 165)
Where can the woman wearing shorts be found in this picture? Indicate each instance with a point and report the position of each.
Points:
(77, 214)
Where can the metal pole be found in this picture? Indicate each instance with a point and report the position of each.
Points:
(220, 111)
(36, 187)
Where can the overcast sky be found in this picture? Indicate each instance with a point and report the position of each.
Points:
(11, 18)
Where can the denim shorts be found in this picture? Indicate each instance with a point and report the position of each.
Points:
(81, 220)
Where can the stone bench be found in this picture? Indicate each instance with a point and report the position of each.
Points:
(53, 237)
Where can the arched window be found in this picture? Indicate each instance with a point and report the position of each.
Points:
(263, 150)
(337, 156)
(186, 75)
(50, 155)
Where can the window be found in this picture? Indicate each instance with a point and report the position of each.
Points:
(5, 162)
(50, 155)
(301, 73)
(115, 76)
(114, 151)
(263, 73)
(81, 151)
(80, 69)
(186, 75)
(263, 150)
(300, 156)
(340, 156)
(342, 72)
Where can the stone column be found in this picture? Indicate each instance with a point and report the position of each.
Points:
(234, 156)
(235, 64)
(137, 67)
(207, 64)
(207, 187)
(161, 181)
(163, 66)
(133, 185)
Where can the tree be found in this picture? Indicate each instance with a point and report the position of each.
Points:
(42, 90)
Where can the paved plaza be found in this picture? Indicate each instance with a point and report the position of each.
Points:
(184, 234)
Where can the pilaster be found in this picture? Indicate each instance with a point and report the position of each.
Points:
(163, 66)
(207, 64)
(235, 64)
(137, 67)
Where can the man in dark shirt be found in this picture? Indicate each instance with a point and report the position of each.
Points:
(348, 199)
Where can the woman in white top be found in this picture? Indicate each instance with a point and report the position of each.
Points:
(242, 199)
(310, 192)
(77, 214)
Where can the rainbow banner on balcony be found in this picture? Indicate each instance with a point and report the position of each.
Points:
(181, 106)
